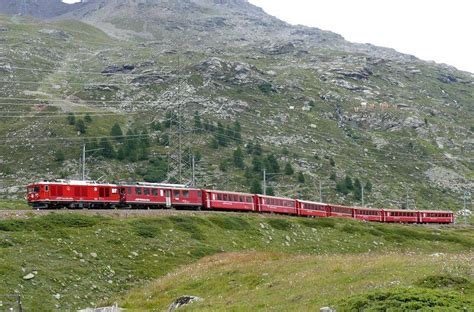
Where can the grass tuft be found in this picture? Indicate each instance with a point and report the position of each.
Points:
(406, 299)
(279, 224)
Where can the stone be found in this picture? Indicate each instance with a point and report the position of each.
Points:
(183, 300)
(93, 255)
(327, 309)
(29, 276)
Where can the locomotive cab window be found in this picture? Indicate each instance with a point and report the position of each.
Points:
(186, 194)
(176, 193)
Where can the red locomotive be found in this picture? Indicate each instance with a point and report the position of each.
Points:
(85, 194)
(73, 194)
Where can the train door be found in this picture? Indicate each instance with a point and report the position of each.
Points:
(168, 198)
(104, 193)
(122, 195)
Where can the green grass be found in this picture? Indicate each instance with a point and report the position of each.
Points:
(14, 205)
(283, 282)
(132, 251)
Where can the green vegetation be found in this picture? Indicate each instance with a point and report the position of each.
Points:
(97, 259)
(262, 281)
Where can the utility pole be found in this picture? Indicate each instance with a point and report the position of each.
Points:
(264, 182)
(407, 198)
(465, 209)
(362, 189)
(83, 162)
(179, 143)
(320, 192)
(194, 174)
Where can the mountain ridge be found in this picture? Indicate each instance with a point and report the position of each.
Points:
(328, 107)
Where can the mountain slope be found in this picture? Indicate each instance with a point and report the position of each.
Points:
(328, 107)
(37, 8)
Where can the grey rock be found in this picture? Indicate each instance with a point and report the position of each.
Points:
(112, 69)
(29, 276)
(181, 301)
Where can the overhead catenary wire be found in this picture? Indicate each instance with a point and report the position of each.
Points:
(118, 113)
(240, 113)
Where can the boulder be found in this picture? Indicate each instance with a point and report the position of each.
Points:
(183, 300)
(29, 276)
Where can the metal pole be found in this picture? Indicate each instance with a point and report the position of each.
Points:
(264, 182)
(179, 143)
(362, 189)
(194, 175)
(320, 192)
(465, 209)
(407, 199)
(83, 162)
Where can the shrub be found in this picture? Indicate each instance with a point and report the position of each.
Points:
(279, 224)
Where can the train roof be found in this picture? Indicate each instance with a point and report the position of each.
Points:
(311, 202)
(224, 192)
(400, 210)
(72, 182)
(276, 197)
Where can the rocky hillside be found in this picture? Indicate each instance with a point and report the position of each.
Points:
(38, 8)
(176, 74)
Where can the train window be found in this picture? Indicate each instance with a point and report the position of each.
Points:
(236, 198)
(186, 194)
(199, 194)
(46, 188)
(241, 199)
(129, 190)
(138, 190)
(146, 191)
(249, 199)
(154, 192)
(219, 196)
(224, 197)
(176, 193)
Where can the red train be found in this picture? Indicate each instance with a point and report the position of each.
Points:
(81, 194)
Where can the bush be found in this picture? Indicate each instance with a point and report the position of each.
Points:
(446, 281)
(59, 156)
(406, 299)
(71, 119)
(188, 225)
(279, 224)
(265, 87)
(81, 126)
(230, 223)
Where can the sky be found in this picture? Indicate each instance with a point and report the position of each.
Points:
(433, 30)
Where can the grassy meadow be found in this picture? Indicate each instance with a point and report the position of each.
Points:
(82, 261)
